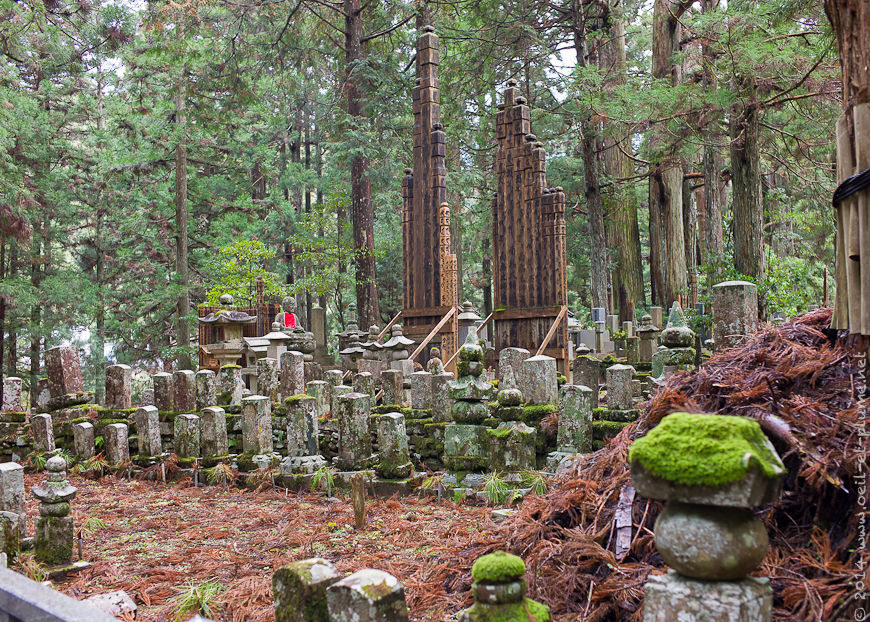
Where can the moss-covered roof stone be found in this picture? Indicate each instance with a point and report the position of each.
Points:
(498, 567)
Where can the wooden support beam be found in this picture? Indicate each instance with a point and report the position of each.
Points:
(552, 330)
(432, 333)
(389, 326)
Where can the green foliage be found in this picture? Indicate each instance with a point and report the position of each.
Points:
(705, 450)
(325, 476)
(495, 488)
(197, 598)
(237, 268)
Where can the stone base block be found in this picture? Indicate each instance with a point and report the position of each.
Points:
(54, 540)
(302, 464)
(555, 458)
(675, 597)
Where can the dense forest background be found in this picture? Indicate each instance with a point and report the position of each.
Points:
(153, 156)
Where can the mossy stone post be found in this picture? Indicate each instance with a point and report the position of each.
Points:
(337, 392)
(575, 424)
(300, 590)
(147, 420)
(364, 382)
(421, 390)
(292, 373)
(12, 395)
(302, 428)
(84, 440)
(317, 389)
(42, 429)
(268, 379)
(117, 443)
(54, 528)
(632, 350)
(256, 425)
(712, 470)
(735, 313)
(510, 367)
(511, 447)
(12, 493)
(232, 386)
(213, 436)
(206, 389)
(10, 537)
(183, 391)
(367, 596)
(620, 395)
(186, 436)
(353, 411)
(119, 386)
(466, 447)
(64, 371)
(333, 376)
(441, 400)
(164, 394)
(391, 383)
(499, 591)
(587, 372)
(540, 384)
(395, 459)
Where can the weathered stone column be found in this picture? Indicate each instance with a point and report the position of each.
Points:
(12, 494)
(619, 390)
(392, 384)
(147, 421)
(367, 596)
(256, 425)
(421, 390)
(64, 371)
(84, 441)
(735, 313)
(575, 424)
(292, 373)
(364, 382)
(333, 377)
(164, 392)
(206, 389)
(441, 401)
(302, 427)
(186, 436)
(510, 367)
(300, 590)
(12, 395)
(395, 459)
(337, 392)
(268, 379)
(214, 432)
(119, 386)
(540, 385)
(231, 385)
(55, 528)
(42, 429)
(512, 447)
(587, 370)
(318, 390)
(354, 435)
(183, 391)
(117, 444)
(656, 315)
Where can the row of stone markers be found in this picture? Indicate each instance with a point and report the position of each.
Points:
(312, 590)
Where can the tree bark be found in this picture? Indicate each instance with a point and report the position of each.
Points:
(714, 246)
(362, 212)
(182, 305)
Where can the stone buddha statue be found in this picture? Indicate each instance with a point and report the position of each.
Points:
(287, 317)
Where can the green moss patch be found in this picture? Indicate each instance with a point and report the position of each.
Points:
(498, 567)
(704, 450)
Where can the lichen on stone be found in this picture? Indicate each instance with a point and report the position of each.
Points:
(498, 567)
(705, 450)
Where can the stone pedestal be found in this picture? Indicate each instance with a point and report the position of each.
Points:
(673, 597)
(213, 436)
(64, 371)
(231, 385)
(164, 398)
(300, 590)
(735, 313)
(186, 436)
(466, 447)
(353, 412)
(84, 445)
(511, 447)
(184, 391)
(206, 389)
(12, 395)
(367, 596)
(256, 425)
(147, 421)
(119, 386)
(540, 382)
(42, 429)
(395, 459)
(292, 374)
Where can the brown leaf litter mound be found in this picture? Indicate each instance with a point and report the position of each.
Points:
(801, 383)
